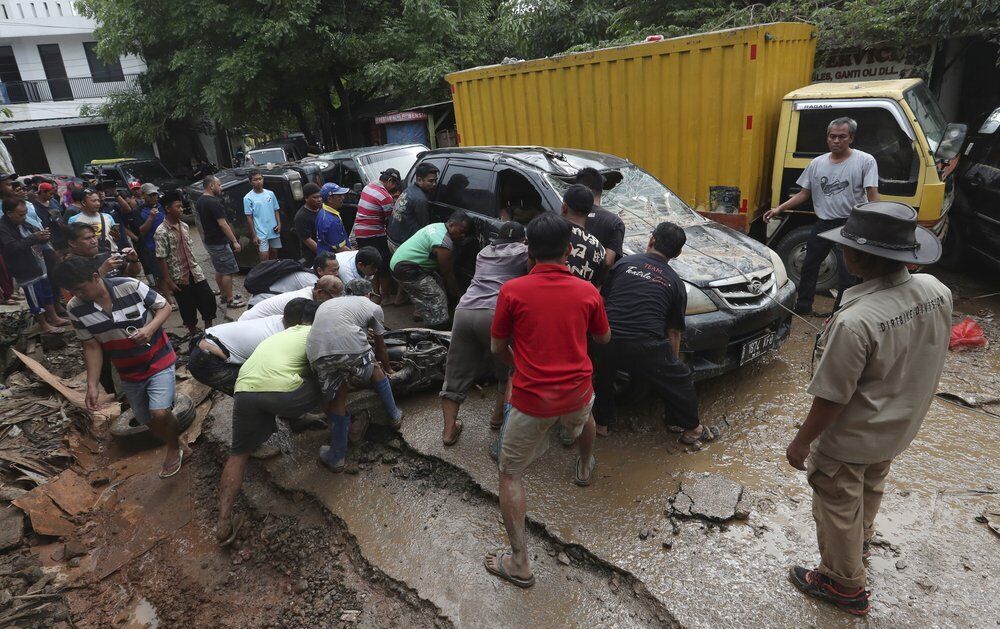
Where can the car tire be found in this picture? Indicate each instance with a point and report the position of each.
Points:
(791, 249)
(126, 426)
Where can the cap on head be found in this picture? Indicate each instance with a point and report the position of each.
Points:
(148, 188)
(389, 174)
(330, 189)
(511, 231)
(45, 187)
(359, 287)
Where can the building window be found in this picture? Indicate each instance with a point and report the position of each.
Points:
(100, 71)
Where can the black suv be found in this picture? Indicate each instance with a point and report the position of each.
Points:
(734, 283)
(974, 219)
(286, 181)
(124, 171)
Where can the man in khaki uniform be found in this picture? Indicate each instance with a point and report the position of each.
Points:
(879, 361)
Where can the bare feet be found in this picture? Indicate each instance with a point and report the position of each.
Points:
(58, 322)
(602, 431)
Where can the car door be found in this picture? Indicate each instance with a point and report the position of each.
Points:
(981, 188)
(468, 185)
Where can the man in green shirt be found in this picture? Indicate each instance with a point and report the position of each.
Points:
(415, 261)
(274, 381)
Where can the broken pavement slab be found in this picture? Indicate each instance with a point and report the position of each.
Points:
(46, 517)
(711, 497)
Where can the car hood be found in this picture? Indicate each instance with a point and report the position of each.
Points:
(713, 252)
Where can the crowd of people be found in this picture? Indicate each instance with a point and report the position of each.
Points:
(555, 309)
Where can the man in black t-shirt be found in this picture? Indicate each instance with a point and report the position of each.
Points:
(606, 226)
(645, 301)
(221, 243)
(586, 256)
(305, 221)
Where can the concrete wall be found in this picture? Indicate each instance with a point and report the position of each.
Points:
(55, 151)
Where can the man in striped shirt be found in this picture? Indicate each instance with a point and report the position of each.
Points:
(374, 210)
(123, 318)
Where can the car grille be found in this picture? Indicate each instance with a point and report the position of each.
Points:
(740, 294)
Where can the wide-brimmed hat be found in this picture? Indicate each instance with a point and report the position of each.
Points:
(887, 229)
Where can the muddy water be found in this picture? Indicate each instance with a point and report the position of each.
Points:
(737, 574)
(433, 539)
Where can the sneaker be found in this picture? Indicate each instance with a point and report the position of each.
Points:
(819, 586)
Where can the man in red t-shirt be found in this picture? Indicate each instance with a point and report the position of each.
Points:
(540, 327)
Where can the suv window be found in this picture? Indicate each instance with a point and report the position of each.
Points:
(878, 134)
(348, 174)
(468, 188)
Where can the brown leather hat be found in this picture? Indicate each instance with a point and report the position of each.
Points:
(889, 230)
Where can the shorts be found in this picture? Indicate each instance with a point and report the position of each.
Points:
(39, 294)
(254, 413)
(270, 243)
(335, 371)
(213, 371)
(223, 259)
(381, 244)
(469, 355)
(155, 393)
(524, 438)
(430, 302)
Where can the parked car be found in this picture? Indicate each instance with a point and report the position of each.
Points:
(734, 283)
(356, 168)
(974, 221)
(125, 170)
(286, 181)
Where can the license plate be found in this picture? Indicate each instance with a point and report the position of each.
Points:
(756, 347)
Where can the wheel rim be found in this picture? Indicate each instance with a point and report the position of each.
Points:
(827, 268)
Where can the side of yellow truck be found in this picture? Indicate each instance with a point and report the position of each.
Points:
(726, 119)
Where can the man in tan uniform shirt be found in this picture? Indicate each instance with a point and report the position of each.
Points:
(879, 361)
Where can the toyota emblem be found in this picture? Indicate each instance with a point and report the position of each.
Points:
(756, 286)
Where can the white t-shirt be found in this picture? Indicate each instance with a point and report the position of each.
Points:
(242, 337)
(295, 281)
(348, 267)
(96, 222)
(275, 305)
(837, 188)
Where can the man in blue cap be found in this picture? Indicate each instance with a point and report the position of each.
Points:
(330, 232)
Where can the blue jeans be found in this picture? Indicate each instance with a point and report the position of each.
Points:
(156, 393)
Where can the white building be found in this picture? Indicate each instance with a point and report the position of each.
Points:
(48, 71)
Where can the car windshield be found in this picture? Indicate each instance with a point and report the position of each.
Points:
(928, 113)
(266, 156)
(639, 199)
(402, 159)
(147, 171)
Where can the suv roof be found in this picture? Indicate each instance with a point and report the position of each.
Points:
(363, 150)
(555, 161)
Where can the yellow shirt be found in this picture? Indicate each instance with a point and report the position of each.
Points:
(278, 364)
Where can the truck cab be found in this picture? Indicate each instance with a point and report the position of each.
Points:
(899, 123)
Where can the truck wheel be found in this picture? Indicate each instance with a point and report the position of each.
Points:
(792, 250)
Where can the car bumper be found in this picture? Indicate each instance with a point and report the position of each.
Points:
(713, 342)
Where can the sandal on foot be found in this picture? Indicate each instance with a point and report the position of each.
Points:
(501, 572)
(166, 472)
(708, 433)
(235, 523)
(454, 433)
(581, 482)
(336, 469)
(236, 302)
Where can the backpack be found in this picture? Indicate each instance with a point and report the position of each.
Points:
(260, 277)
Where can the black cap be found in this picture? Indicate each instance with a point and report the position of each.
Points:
(510, 231)
(6, 176)
(390, 173)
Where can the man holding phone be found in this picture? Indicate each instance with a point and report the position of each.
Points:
(123, 318)
(81, 242)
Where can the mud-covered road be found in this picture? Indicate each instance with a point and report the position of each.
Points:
(409, 524)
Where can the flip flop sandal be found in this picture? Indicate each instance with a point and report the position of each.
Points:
(235, 523)
(236, 302)
(454, 433)
(336, 469)
(501, 572)
(590, 472)
(164, 473)
(710, 433)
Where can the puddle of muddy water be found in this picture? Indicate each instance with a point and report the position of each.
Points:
(762, 405)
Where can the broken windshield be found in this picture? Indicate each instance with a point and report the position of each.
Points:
(639, 199)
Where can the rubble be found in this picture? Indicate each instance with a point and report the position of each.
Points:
(709, 497)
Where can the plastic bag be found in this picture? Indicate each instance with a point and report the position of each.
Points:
(967, 334)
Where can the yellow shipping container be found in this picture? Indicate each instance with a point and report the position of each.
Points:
(697, 112)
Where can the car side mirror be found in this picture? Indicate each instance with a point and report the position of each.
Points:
(951, 142)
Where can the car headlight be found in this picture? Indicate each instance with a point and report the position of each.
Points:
(296, 190)
(697, 301)
(780, 274)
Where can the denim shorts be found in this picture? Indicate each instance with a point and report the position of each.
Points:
(155, 393)
(270, 243)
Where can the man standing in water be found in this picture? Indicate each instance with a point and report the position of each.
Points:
(880, 359)
(540, 327)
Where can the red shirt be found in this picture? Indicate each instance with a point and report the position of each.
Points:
(548, 314)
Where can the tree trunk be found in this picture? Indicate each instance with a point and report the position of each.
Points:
(345, 126)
